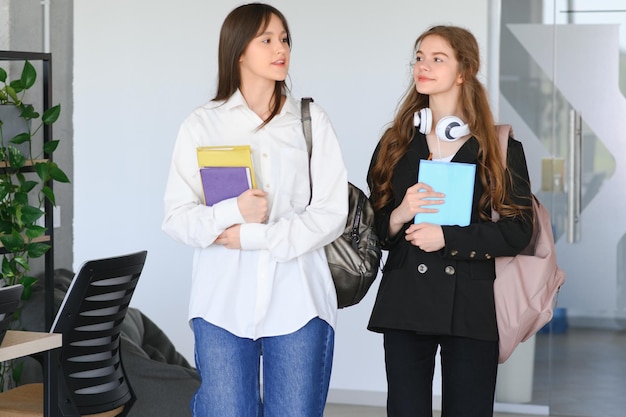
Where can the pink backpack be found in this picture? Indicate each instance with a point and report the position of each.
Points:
(526, 285)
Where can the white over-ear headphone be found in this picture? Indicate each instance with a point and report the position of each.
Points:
(449, 128)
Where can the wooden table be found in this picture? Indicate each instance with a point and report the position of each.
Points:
(18, 343)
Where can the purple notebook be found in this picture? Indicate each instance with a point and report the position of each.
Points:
(220, 183)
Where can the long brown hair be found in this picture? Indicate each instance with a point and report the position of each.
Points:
(242, 25)
(477, 114)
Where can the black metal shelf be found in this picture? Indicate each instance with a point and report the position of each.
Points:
(50, 403)
(46, 60)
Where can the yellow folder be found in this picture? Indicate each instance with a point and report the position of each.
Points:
(226, 156)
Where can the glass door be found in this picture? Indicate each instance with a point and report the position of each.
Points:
(562, 82)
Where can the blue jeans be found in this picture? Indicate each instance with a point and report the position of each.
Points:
(296, 372)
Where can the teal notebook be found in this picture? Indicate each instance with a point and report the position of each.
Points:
(456, 181)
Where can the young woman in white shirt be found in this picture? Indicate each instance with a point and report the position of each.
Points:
(261, 287)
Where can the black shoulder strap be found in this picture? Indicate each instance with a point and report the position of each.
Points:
(306, 123)
(308, 131)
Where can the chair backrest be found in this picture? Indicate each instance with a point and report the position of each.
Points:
(9, 300)
(90, 372)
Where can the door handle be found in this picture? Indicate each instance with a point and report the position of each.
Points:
(574, 177)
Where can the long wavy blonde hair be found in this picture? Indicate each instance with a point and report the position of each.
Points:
(477, 114)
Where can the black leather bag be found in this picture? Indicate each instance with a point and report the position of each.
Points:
(354, 257)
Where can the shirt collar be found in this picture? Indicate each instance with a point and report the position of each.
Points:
(291, 106)
(237, 100)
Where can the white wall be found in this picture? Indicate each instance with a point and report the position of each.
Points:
(141, 66)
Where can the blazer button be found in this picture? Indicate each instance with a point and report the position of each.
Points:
(454, 252)
(487, 256)
(472, 254)
(450, 270)
(422, 268)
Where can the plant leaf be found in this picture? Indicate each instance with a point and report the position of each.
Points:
(28, 112)
(20, 176)
(17, 314)
(20, 198)
(33, 231)
(3, 75)
(30, 214)
(50, 147)
(51, 115)
(17, 86)
(23, 262)
(13, 94)
(42, 170)
(5, 226)
(7, 270)
(37, 249)
(47, 191)
(27, 293)
(57, 174)
(13, 242)
(21, 138)
(4, 190)
(28, 281)
(16, 159)
(18, 370)
(29, 75)
(27, 186)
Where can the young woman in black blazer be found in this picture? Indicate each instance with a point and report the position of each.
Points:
(437, 285)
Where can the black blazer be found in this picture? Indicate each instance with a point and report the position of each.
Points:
(448, 292)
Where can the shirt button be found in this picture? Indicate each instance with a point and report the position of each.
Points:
(450, 270)
(472, 254)
(422, 268)
(265, 155)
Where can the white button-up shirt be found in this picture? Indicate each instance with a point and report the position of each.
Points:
(280, 279)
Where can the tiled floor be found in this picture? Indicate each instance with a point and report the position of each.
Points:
(588, 377)
(341, 410)
(588, 373)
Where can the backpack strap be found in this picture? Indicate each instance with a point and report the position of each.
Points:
(355, 235)
(504, 132)
(306, 122)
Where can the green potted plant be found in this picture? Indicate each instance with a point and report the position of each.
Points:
(26, 172)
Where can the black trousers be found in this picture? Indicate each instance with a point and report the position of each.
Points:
(468, 368)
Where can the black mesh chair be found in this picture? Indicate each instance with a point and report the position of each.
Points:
(90, 377)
